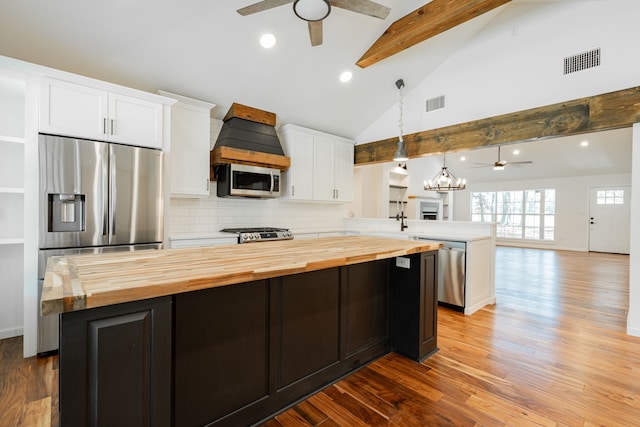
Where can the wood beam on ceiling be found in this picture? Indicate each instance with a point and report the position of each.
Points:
(423, 23)
(608, 111)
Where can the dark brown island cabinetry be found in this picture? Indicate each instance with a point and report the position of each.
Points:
(415, 307)
(235, 355)
(115, 365)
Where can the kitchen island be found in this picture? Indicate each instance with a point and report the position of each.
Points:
(231, 335)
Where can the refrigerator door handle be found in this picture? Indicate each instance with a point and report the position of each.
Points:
(112, 195)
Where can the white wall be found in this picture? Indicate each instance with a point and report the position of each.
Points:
(633, 319)
(572, 206)
(516, 64)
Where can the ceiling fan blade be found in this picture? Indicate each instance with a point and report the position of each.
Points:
(262, 6)
(524, 162)
(315, 33)
(365, 7)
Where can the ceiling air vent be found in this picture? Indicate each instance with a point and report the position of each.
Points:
(436, 103)
(582, 61)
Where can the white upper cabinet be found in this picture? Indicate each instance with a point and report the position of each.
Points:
(321, 165)
(298, 179)
(190, 146)
(324, 169)
(343, 171)
(75, 110)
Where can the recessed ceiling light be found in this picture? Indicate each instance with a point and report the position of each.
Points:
(584, 144)
(463, 158)
(516, 152)
(346, 76)
(268, 41)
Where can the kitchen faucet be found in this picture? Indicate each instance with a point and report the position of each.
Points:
(400, 217)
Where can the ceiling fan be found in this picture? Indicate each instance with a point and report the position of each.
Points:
(315, 11)
(500, 164)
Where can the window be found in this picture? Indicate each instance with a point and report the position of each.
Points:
(524, 214)
(610, 197)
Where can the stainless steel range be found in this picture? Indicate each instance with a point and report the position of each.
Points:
(259, 234)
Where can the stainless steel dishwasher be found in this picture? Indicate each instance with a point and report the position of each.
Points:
(452, 266)
(451, 274)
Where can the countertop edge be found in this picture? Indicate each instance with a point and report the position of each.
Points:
(64, 291)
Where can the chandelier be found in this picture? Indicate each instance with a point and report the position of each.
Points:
(445, 180)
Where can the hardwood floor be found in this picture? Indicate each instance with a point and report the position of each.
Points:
(552, 352)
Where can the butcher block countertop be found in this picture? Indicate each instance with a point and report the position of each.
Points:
(87, 281)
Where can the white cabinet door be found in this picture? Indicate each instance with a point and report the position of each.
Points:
(73, 110)
(343, 173)
(299, 177)
(81, 111)
(190, 141)
(135, 121)
(324, 188)
(321, 165)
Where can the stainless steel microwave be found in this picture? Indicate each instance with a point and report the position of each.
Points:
(236, 180)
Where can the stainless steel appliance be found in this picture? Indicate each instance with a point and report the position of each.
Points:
(451, 274)
(236, 180)
(452, 267)
(430, 210)
(95, 197)
(259, 234)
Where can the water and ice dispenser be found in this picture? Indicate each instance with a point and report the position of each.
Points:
(66, 212)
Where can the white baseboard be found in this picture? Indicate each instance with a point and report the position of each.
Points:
(10, 333)
(633, 330)
(469, 310)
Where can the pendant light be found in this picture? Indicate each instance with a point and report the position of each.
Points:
(445, 180)
(401, 154)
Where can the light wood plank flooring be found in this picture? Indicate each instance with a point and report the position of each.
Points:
(552, 352)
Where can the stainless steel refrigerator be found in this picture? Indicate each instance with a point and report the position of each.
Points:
(95, 197)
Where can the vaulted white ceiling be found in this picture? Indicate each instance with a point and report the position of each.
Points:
(204, 49)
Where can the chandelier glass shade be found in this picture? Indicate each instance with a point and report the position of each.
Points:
(312, 10)
(445, 180)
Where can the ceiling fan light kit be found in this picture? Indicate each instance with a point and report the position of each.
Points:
(315, 11)
(501, 164)
(312, 10)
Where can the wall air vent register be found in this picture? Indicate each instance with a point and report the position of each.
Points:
(582, 61)
(436, 103)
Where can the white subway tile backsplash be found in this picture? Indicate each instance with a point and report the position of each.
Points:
(198, 216)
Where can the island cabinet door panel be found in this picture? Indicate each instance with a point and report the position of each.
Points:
(306, 319)
(115, 365)
(415, 306)
(365, 292)
(221, 351)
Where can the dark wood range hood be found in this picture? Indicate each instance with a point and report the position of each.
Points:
(248, 137)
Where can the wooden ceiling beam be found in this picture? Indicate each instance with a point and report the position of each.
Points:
(612, 110)
(423, 23)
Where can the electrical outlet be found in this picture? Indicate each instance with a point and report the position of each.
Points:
(403, 262)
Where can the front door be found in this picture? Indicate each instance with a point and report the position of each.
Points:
(610, 219)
